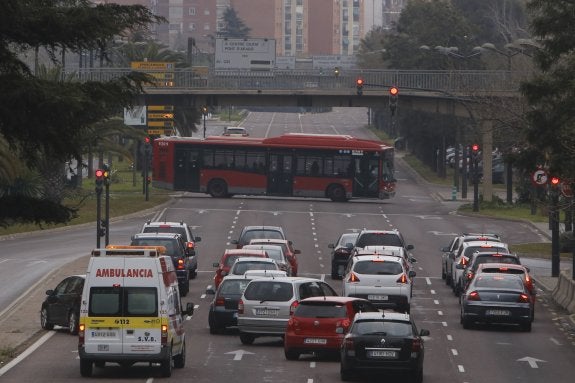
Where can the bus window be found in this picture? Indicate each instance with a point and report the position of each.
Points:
(208, 158)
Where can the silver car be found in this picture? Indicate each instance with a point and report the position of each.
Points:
(266, 304)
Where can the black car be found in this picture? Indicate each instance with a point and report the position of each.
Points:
(224, 307)
(341, 250)
(62, 305)
(176, 248)
(479, 258)
(383, 342)
(258, 232)
(497, 298)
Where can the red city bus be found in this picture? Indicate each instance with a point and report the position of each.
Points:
(338, 167)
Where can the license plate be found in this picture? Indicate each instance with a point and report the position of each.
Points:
(377, 297)
(267, 312)
(500, 313)
(103, 334)
(103, 347)
(315, 341)
(386, 354)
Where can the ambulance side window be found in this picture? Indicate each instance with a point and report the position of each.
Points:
(105, 301)
(141, 301)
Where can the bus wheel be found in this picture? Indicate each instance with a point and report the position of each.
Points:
(218, 188)
(336, 193)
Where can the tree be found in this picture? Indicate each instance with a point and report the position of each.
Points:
(46, 119)
(550, 93)
(234, 27)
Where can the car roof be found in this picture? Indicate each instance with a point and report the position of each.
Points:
(245, 252)
(255, 259)
(164, 223)
(378, 257)
(486, 243)
(262, 246)
(257, 241)
(497, 265)
(263, 227)
(291, 279)
(332, 298)
(157, 235)
(388, 315)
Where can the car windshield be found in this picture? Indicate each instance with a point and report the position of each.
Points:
(499, 281)
(377, 268)
(497, 259)
(319, 310)
(382, 327)
(269, 291)
(242, 267)
(378, 239)
(233, 287)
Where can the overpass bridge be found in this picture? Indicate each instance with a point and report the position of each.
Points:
(458, 93)
(437, 91)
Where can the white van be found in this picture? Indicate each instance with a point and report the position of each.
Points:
(131, 310)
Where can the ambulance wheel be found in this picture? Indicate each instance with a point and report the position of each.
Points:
(180, 359)
(44, 321)
(86, 367)
(166, 365)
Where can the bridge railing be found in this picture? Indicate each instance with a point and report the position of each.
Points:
(310, 80)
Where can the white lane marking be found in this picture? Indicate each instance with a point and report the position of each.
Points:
(432, 292)
(454, 352)
(238, 354)
(312, 364)
(532, 361)
(449, 337)
(460, 368)
(26, 352)
(439, 312)
(556, 341)
(444, 324)
(436, 301)
(428, 281)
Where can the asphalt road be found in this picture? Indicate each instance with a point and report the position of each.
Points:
(484, 354)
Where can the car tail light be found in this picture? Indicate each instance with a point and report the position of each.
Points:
(402, 279)
(473, 296)
(524, 298)
(463, 261)
(220, 301)
(416, 345)
(191, 245)
(164, 334)
(293, 306)
(240, 307)
(181, 265)
(343, 326)
(349, 345)
(292, 322)
(353, 278)
(469, 276)
(528, 282)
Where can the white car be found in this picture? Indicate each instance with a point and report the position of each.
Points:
(462, 258)
(383, 279)
(235, 131)
(397, 251)
(243, 264)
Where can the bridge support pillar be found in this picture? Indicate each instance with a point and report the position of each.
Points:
(487, 144)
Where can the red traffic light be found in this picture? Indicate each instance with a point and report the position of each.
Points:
(393, 91)
(359, 82)
(147, 140)
(475, 147)
(555, 181)
(99, 173)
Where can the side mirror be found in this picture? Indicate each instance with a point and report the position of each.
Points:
(412, 260)
(297, 252)
(234, 242)
(331, 246)
(444, 249)
(189, 309)
(210, 290)
(424, 332)
(216, 264)
(412, 274)
(197, 239)
(349, 246)
(49, 292)
(410, 247)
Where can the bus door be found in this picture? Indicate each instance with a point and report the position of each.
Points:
(187, 171)
(280, 174)
(366, 177)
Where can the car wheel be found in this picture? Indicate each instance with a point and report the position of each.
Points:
(247, 338)
(336, 193)
(291, 354)
(73, 323)
(448, 280)
(180, 359)
(218, 189)
(45, 320)
(166, 364)
(86, 367)
(443, 274)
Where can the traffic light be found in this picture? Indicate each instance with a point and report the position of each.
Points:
(475, 152)
(359, 86)
(147, 140)
(393, 92)
(149, 180)
(99, 178)
(336, 71)
(102, 228)
(205, 110)
(554, 181)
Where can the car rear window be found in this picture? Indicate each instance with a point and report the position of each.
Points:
(240, 268)
(347, 238)
(378, 239)
(264, 234)
(171, 247)
(321, 310)
(494, 281)
(274, 291)
(166, 229)
(472, 249)
(497, 259)
(503, 270)
(383, 327)
(230, 259)
(377, 268)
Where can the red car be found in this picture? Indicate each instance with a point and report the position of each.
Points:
(319, 324)
(287, 247)
(228, 259)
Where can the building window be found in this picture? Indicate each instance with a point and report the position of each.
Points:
(206, 26)
(207, 12)
(192, 27)
(192, 11)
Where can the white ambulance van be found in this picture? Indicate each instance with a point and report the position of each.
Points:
(131, 310)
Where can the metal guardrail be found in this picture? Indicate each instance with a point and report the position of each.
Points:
(314, 80)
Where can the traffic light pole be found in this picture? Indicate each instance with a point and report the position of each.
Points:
(554, 217)
(107, 219)
(475, 183)
(98, 213)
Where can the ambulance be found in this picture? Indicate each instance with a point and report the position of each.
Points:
(131, 310)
